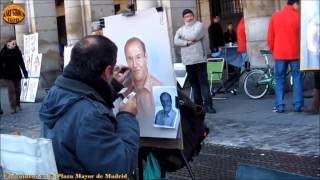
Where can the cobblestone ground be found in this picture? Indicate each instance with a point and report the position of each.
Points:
(243, 130)
(218, 162)
(243, 122)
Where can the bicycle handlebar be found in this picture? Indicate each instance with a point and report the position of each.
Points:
(265, 52)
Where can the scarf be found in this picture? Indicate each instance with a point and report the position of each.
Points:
(93, 80)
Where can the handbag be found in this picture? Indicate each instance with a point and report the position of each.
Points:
(194, 131)
(21, 155)
(152, 169)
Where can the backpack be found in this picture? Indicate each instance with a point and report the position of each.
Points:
(194, 131)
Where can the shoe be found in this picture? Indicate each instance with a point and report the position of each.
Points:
(299, 109)
(234, 91)
(277, 110)
(1, 112)
(13, 111)
(210, 110)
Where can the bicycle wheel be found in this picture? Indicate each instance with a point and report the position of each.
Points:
(251, 86)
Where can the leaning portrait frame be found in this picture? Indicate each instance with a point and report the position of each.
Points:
(310, 35)
(157, 92)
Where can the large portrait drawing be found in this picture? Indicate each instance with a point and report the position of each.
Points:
(148, 56)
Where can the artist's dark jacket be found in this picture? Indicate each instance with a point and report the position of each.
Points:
(215, 36)
(10, 63)
(87, 138)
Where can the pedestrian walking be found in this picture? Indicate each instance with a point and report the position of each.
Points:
(12, 64)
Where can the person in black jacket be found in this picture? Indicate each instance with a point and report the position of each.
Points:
(215, 34)
(11, 62)
(230, 35)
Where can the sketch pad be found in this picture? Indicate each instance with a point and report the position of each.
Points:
(151, 27)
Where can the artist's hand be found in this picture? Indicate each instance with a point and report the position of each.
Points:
(130, 106)
(120, 73)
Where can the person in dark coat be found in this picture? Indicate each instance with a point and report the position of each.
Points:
(77, 114)
(230, 36)
(215, 35)
(11, 62)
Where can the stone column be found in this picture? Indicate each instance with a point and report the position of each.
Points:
(22, 29)
(204, 12)
(74, 20)
(257, 15)
(45, 24)
(145, 4)
(7, 30)
(96, 9)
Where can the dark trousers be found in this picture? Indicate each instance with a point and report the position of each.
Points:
(198, 78)
(14, 91)
(317, 80)
(0, 99)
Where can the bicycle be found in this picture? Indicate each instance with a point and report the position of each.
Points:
(258, 82)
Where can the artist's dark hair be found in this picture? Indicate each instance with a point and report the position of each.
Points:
(132, 40)
(165, 94)
(94, 53)
(291, 2)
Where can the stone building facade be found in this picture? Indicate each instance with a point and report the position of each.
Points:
(62, 22)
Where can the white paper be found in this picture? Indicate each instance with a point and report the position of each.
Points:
(150, 27)
(29, 89)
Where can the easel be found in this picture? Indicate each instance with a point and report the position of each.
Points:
(161, 138)
(150, 144)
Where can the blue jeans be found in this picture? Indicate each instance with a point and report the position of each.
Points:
(280, 76)
(245, 59)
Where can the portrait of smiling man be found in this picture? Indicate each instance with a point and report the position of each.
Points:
(141, 81)
(166, 116)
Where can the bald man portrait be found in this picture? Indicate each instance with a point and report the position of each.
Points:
(166, 116)
(141, 81)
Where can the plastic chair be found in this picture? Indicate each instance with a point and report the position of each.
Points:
(215, 71)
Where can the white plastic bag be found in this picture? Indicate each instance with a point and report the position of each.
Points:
(21, 155)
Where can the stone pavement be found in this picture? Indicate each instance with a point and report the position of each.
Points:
(241, 126)
(218, 162)
(243, 122)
